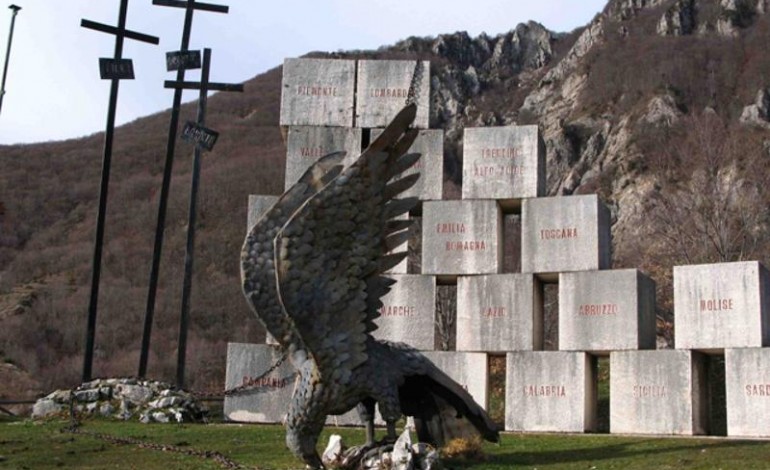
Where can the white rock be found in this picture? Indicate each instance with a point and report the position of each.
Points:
(106, 409)
(46, 407)
(402, 453)
(160, 417)
(333, 454)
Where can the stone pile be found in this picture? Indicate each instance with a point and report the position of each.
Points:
(402, 455)
(125, 399)
(721, 309)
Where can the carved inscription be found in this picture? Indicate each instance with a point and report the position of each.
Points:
(493, 312)
(459, 245)
(474, 245)
(508, 152)
(451, 228)
(398, 311)
(267, 382)
(389, 92)
(549, 391)
(312, 152)
(649, 391)
(596, 310)
(559, 233)
(494, 162)
(485, 171)
(757, 390)
(716, 305)
(316, 90)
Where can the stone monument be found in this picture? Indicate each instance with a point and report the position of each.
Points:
(503, 163)
(383, 87)
(747, 380)
(318, 92)
(306, 144)
(408, 312)
(430, 145)
(550, 391)
(499, 313)
(657, 392)
(461, 237)
(721, 306)
(602, 311)
(562, 234)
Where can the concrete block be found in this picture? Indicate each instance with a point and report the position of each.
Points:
(658, 392)
(461, 237)
(306, 144)
(318, 92)
(269, 401)
(408, 312)
(561, 234)
(550, 391)
(429, 144)
(602, 311)
(383, 86)
(747, 379)
(504, 163)
(258, 205)
(499, 313)
(468, 369)
(721, 305)
(403, 266)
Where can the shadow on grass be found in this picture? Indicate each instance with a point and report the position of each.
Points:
(625, 450)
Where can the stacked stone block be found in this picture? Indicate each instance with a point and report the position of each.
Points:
(658, 392)
(720, 309)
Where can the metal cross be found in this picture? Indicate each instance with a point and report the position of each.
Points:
(202, 138)
(179, 61)
(113, 69)
(15, 9)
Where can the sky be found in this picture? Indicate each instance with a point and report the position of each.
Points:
(54, 92)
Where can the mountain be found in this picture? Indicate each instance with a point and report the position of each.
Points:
(660, 106)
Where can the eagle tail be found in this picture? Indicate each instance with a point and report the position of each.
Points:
(443, 410)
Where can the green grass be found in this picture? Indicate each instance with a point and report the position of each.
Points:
(26, 444)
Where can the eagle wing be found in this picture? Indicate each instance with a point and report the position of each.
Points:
(257, 258)
(330, 255)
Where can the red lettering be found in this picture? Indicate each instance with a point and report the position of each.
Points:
(716, 305)
(558, 234)
(474, 245)
(450, 228)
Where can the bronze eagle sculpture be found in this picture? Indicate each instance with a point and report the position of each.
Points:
(312, 270)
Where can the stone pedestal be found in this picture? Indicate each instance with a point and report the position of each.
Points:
(721, 306)
(408, 312)
(499, 313)
(550, 391)
(657, 392)
(561, 234)
(468, 369)
(602, 311)
(269, 401)
(747, 379)
(461, 237)
(306, 144)
(383, 86)
(429, 144)
(317, 92)
(503, 163)
(258, 205)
